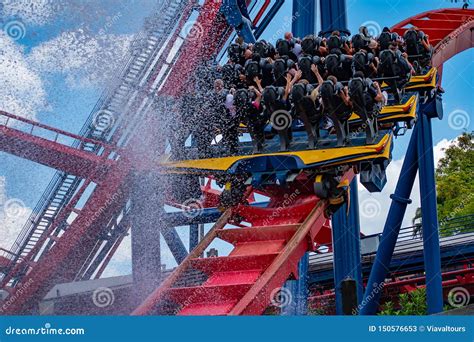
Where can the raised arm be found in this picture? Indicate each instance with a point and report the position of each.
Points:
(316, 73)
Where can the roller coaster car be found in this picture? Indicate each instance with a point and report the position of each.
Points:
(284, 164)
(420, 83)
(405, 112)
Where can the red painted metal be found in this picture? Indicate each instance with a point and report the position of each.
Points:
(208, 28)
(450, 31)
(52, 153)
(264, 257)
(261, 11)
(67, 255)
(241, 283)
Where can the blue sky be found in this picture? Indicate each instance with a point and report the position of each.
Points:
(70, 96)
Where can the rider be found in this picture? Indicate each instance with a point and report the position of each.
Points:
(418, 48)
(305, 107)
(277, 108)
(395, 68)
(367, 98)
(248, 107)
(337, 106)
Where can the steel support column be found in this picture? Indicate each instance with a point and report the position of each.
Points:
(146, 222)
(431, 251)
(193, 236)
(333, 16)
(304, 17)
(346, 246)
(175, 243)
(400, 200)
(298, 300)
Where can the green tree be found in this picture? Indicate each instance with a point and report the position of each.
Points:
(455, 179)
(416, 222)
(454, 183)
(411, 303)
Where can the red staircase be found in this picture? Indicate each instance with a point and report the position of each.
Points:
(242, 283)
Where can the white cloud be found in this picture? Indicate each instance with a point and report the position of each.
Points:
(380, 202)
(13, 215)
(22, 91)
(84, 59)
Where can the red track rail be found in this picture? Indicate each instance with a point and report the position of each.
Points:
(450, 31)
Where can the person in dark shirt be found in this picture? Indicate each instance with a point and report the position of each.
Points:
(248, 107)
(337, 105)
(366, 98)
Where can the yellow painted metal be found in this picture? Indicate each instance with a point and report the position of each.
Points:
(330, 157)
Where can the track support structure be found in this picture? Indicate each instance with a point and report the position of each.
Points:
(419, 156)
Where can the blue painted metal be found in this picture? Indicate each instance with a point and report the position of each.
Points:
(346, 246)
(268, 18)
(400, 200)
(231, 10)
(434, 288)
(298, 305)
(304, 17)
(207, 215)
(175, 244)
(333, 16)
(193, 236)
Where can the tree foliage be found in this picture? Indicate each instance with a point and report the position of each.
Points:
(411, 303)
(454, 183)
(455, 179)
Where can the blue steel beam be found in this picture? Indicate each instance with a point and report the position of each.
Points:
(298, 303)
(193, 236)
(207, 215)
(231, 10)
(304, 14)
(346, 246)
(175, 244)
(434, 288)
(400, 200)
(333, 16)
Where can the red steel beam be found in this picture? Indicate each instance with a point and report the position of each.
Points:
(207, 31)
(51, 153)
